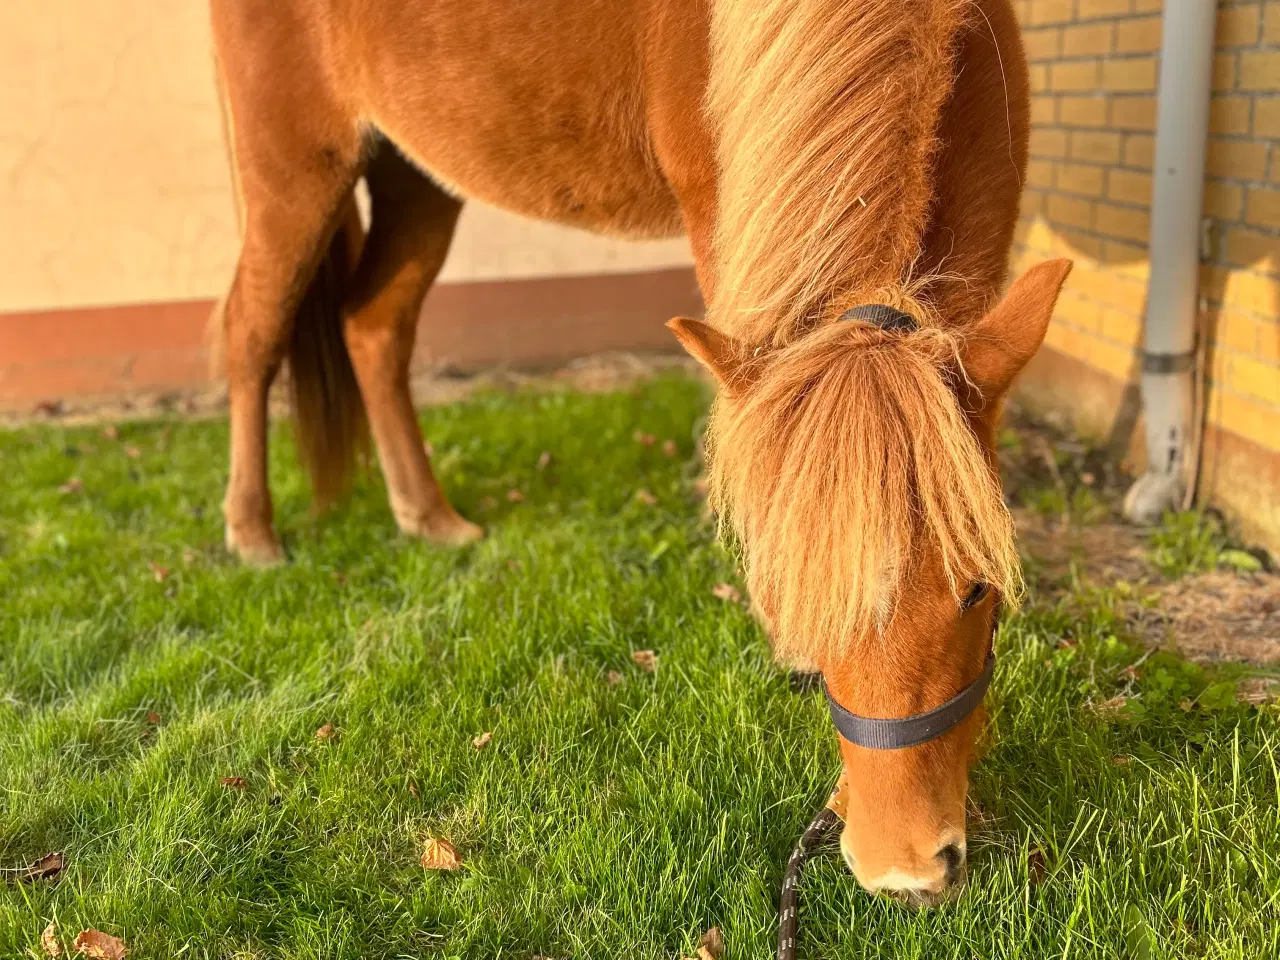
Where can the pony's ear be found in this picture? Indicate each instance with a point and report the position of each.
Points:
(718, 352)
(999, 345)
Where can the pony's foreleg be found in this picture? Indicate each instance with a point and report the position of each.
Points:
(413, 223)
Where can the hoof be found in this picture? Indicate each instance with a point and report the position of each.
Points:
(446, 528)
(255, 550)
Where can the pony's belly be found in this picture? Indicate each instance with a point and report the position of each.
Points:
(598, 190)
(538, 108)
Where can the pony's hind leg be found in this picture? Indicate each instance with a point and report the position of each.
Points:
(412, 226)
(277, 261)
(295, 157)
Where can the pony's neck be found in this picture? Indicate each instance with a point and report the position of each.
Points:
(827, 114)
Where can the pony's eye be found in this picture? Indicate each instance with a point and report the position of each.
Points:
(975, 595)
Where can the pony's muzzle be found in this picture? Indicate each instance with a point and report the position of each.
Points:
(931, 882)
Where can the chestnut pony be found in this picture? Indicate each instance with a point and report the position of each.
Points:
(820, 154)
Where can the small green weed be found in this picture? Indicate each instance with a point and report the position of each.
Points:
(1195, 542)
(1083, 506)
(1186, 543)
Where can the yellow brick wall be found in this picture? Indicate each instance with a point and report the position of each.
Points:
(1094, 70)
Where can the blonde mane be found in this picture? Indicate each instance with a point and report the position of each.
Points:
(847, 454)
(826, 114)
(846, 458)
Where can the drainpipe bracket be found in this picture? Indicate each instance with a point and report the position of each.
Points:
(1168, 362)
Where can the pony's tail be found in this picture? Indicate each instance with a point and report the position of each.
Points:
(329, 418)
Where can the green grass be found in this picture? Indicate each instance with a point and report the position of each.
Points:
(601, 821)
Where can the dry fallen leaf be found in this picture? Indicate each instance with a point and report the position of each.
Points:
(1107, 708)
(236, 783)
(726, 591)
(441, 855)
(613, 678)
(482, 741)
(74, 485)
(711, 945)
(160, 573)
(1035, 865)
(544, 460)
(133, 453)
(100, 946)
(413, 790)
(153, 718)
(189, 556)
(515, 496)
(326, 732)
(646, 660)
(645, 439)
(48, 866)
(110, 432)
(1120, 760)
(838, 802)
(669, 448)
(49, 940)
(645, 497)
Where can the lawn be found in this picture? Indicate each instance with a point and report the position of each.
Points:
(615, 813)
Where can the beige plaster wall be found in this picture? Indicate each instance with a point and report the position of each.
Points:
(113, 179)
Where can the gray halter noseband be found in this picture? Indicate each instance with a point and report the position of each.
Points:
(877, 733)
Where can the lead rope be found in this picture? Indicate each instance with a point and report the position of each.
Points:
(816, 835)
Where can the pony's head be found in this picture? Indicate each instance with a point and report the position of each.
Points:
(856, 467)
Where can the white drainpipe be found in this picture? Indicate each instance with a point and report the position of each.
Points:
(1168, 358)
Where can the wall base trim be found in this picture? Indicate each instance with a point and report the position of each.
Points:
(117, 351)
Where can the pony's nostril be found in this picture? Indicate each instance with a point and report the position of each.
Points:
(953, 857)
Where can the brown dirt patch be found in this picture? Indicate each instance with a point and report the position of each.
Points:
(1207, 617)
(1098, 553)
(1216, 616)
